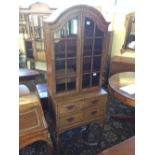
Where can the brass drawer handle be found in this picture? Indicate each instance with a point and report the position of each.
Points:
(94, 113)
(70, 119)
(70, 107)
(95, 102)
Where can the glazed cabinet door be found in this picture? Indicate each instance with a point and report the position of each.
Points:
(65, 56)
(93, 39)
(38, 33)
(77, 49)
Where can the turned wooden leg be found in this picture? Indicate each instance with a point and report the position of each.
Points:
(101, 123)
(50, 146)
(123, 118)
(58, 152)
(49, 149)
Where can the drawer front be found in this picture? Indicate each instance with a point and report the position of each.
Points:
(70, 120)
(29, 120)
(70, 107)
(95, 101)
(93, 113)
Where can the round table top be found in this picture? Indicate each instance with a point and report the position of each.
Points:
(122, 86)
(27, 74)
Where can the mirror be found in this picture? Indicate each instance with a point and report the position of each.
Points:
(129, 41)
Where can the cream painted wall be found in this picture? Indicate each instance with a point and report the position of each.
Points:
(122, 8)
(21, 43)
(119, 36)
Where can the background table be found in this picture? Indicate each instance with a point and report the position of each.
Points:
(120, 80)
(126, 147)
(27, 74)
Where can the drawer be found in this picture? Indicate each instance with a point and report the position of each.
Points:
(93, 113)
(70, 106)
(28, 120)
(95, 101)
(70, 120)
(31, 121)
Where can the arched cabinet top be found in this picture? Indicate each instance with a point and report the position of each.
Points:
(60, 16)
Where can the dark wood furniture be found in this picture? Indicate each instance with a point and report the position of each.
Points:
(118, 81)
(76, 41)
(32, 124)
(27, 74)
(121, 64)
(43, 95)
(126, 147)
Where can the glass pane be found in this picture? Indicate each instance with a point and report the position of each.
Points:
(37, 21)
(65, 44)
(70, 29)
(71, 47)
(57, 35)
(71, 82)
(60, 85)
(73, 27)
(71, 66)
(87, 53)
(98, 44)
(41, 21)
(29, 50)
(88, 45)
(89, 27)
(96, 63)
(60, 67)
(97, 52)
(86, 81)
(37, 31)
(39, 46)
(30, 25)
(64, 31)
(59, 48)
(87, 64)
(98, 32)
(95, 79)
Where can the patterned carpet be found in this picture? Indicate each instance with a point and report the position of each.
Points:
(90, 139)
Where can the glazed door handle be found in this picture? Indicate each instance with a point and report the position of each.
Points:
(94, 101)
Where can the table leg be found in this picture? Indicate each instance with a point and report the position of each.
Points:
(123, 118)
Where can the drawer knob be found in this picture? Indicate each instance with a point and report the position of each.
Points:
(70, 119)
(94, 113)
(95, 102)
(70, 107)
